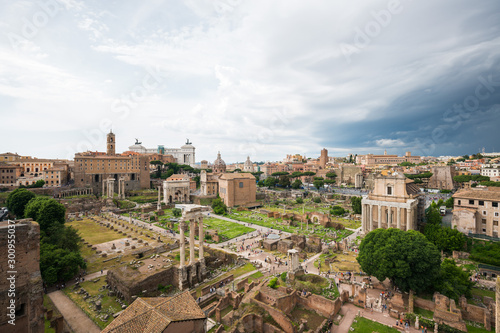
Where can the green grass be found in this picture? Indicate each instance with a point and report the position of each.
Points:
(107, 302)
(226, 229)
(481, 293)
(255, 276)
(248, 267)
(364, 325)
(144, 198)
(425, 313)
(474, 329)
(93, 233)
(246, 216)
(314, 320)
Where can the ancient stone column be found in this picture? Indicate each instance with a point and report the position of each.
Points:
(389, 217)
(370, 218)
(191, 242)
(201, 237)
(182, 244)
(379, 216)
(408, 218)
(158, 206)
(398, 211)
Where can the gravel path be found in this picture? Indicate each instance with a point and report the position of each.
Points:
(74, 316)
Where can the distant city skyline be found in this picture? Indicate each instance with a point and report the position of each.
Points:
(250, 78)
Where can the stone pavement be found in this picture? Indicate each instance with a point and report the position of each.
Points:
(349, 311)
(74, 316)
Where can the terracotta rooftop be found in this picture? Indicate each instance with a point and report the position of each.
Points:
(237, 176)
(412, 188)
(489, 193)
(154, 314)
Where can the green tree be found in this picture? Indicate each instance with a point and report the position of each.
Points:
(453, 280)
(17, 201)
(279, 173)
(177, 212)
(331, 175)
(284, 181)
(356, 204)
(449, 202)
(444, 238)
(58, 264)
(296, 174)
(270, 182)
(219, 206)
(299, 200)
(406, 258)
(337, 211)
(260, 183)
(296, 184)
(159, 165)
(319, 183)
(432, 216)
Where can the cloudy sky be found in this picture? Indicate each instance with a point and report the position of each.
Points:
(259, 78)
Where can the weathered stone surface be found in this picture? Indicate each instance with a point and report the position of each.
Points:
(28, 312)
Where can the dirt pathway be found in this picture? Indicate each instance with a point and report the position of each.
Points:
(74, 316)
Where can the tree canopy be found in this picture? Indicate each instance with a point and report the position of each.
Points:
(444, 238)
(297, 183)
(337, 211)
(318, 183)
(331, 175)
(219, 206)
(17, 201)
(407, 258)
(356, 204)
(453, 281)
(467, 178)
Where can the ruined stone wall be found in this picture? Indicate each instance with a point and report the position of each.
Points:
(27, 290)
(279, 317)
(323, 306)
(424, 304)
(286, 304)
(121, 281)
(474, 313)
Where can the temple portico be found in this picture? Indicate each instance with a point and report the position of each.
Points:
(393, 203)
(383, 214)
(195, 271)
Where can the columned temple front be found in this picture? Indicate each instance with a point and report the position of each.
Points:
(393, 203)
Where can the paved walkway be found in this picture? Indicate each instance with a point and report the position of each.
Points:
(349, 311)
(74, 316)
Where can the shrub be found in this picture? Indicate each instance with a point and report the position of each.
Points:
(283, 276)
(273, 283)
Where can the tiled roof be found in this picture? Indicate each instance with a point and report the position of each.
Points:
(154, 314)
(412, 188)
(237, 176)
(490, 193)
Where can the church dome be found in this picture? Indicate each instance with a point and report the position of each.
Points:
(219, 164)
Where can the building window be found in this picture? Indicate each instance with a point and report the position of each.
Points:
(483, 221)
(481, 203)
(494, 204)
(389, 190)
(495, 223)
(484, 230)
(484, 212)
(241, 184)
(471, 202)
(496, 213)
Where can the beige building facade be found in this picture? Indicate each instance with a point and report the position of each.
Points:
(9, 174)
(237, 189)
(476, 211)
(176, 188)
(394, 203)
(209, 183)
(373, 160)
(91, 169)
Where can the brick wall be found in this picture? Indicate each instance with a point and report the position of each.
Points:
(28, 281)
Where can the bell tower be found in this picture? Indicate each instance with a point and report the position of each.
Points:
(110, 149)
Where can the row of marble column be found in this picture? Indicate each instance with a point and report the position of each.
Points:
(201, 236)
(69, 193)
(391, 220)
(108, 187)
